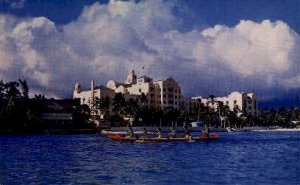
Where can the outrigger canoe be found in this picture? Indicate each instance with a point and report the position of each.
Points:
(132, 139)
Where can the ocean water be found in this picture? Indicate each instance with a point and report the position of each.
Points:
(236, 158)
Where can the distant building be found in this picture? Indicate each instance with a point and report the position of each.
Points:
(89, 96)
(169, 93)
(212, 103)
(161, 93)
(246, 103)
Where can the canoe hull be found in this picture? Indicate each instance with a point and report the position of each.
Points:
(199, 138)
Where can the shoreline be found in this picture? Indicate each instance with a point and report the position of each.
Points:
(137, 130)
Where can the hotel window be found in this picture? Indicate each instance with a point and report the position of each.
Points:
(175, 97)
(140, 90)
(164, 102)
(164, 89)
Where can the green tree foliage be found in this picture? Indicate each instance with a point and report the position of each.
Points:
(103, 105)
(24, 88)
(81, 116)
(20, 114)
(13, 106)
(39, 97)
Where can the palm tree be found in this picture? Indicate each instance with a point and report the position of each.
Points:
(2, 88)
(143, 99)
(118, 108)
(103, 104)
(11, 90)
(159, 114)
(12, 113)
(81, 115)
(224, 112)
(118, 104)
(171, 115)
(24, 88)
(39, 97)
(11, 94)
(212, 98)
(295, 114)
(131, 107)
(196, 110)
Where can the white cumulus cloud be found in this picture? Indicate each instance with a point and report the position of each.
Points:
(253, 48)
(108, 40)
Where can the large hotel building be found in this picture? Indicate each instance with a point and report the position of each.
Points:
(161, 93)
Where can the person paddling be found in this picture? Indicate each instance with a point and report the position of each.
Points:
(206, 130)
(187, 133)
(172, 133)
(158, 132)
(144, 133)
(130, 131)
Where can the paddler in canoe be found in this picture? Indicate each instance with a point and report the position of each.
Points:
(145, 134)
(187, 133)
(206, 131)
(130, 132)
(158, 132)
(172, 133)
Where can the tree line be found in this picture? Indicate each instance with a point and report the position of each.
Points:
(118, 108)
(20, 113)
(13, 104)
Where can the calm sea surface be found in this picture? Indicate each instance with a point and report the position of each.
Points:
(237, 158)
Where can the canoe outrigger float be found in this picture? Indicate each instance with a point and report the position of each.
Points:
(132, 139)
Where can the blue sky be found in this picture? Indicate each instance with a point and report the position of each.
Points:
(210, 47)
(197, 13)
